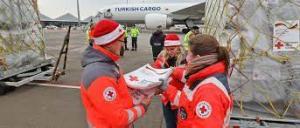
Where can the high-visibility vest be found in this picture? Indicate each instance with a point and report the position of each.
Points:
(89, 34)
(126, 30)
(186, 40)
(134, 32)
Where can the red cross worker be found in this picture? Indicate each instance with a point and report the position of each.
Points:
(104, 92)
(205, 100)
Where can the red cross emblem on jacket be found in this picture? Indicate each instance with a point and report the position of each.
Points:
(203, 109)
(109, 94)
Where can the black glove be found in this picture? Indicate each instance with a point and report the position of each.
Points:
(145, 106)
(164, 84)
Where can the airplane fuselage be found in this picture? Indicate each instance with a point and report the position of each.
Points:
(135, 13)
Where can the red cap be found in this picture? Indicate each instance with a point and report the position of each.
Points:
(172, 40)
(106, 31)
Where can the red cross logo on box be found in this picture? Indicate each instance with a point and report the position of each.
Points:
(133, 78)
(279, 45)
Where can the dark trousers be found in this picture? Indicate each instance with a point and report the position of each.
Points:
(134, 43)
(122, 51)
(125, 43)
(155, 51)
(170, 116)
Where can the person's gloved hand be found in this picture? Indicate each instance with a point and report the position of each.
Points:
(158, 91)
(146, 102)
(164, 84)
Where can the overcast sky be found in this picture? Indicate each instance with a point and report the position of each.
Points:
(55, 8)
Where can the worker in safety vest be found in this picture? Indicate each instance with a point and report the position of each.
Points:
(134, 33)
(192, 33)
(126, 37)
(104, 92)
(124, 46)
(89, 34)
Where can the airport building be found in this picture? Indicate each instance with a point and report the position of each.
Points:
(62, 21)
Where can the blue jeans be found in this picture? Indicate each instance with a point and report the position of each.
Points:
(170, 116)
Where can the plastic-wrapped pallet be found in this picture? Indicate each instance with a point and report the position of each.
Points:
(145, 80)
(263, 38)
(21, 40)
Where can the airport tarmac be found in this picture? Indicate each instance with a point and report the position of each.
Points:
(58, 104)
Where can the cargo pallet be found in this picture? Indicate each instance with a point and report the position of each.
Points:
(260, 122)
(41, 72)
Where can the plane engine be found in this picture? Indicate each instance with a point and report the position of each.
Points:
(153, 20)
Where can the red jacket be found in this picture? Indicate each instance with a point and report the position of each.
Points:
(205, 101)
(159, 62)
(176, 79)
(104, 92)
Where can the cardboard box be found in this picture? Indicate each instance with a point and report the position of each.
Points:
(286, 35)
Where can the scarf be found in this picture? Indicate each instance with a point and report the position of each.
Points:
(200, 62)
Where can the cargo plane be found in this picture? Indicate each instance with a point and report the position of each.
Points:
(155, 14)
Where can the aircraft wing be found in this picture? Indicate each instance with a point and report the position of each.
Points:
(196, 11)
